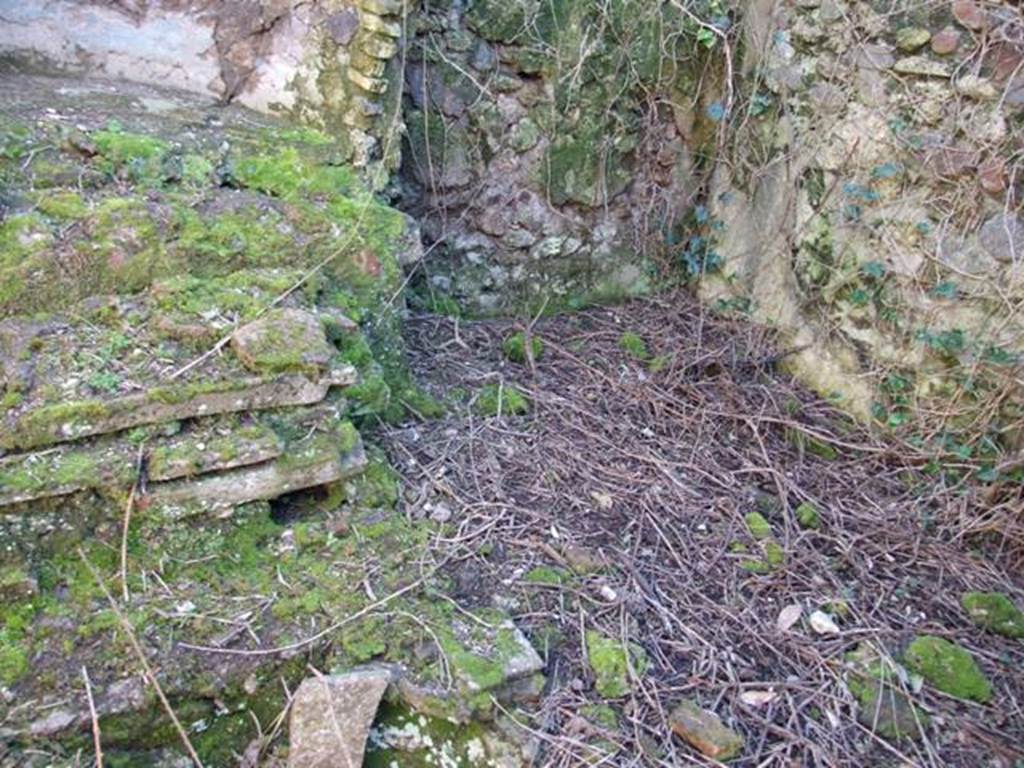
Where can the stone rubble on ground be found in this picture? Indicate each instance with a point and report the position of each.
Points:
(331, 717)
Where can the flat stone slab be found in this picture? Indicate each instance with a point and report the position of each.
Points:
(113, 463)
(319, 461)
(114, 363)
(331, 717)
(65, 422)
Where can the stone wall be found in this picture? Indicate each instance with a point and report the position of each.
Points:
(325, 63)
(541, 150)
(844, 170)
(870, 206)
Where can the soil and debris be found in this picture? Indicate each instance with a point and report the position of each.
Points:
(752, 555)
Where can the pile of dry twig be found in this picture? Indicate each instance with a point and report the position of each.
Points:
(647, 467)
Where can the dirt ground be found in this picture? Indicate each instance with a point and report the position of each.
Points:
(618, 504)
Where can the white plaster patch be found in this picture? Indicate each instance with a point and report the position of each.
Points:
(167, 48)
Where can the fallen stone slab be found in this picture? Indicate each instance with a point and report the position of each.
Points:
(112, 463)
(283, 340)
(331, 717)
(64, 422)
(323, 459)
(488, 655)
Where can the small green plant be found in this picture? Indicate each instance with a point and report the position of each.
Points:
(698, 255)
(501, 400)
(514, 347)
(634, 345)
(105, 381)
(10, 400)
(658, 364)
(895, 409)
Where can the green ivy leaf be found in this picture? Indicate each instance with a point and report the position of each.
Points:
(874, 269)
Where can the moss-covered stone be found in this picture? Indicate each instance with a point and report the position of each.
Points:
(514, 347)
(583, 168)
(501, 400)
(284, 341)
(758, 526)
(610, 664)
(948, 667)
(995, 612)
(883, 705)
(404, 737)
(501, 21)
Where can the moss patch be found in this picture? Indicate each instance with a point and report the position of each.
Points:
(807, 515)
(608, 661)
(633, 345)
(948, 667)
(501, 400)
(514, 347)
(995, 612)
(758, 526)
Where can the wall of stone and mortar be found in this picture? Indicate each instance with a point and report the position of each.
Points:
(854, 165)
(541, 153)
(538, 172)
(869, 203)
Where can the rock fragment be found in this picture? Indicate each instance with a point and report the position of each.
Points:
(331, 717)
(969, 14)
(283, 341)
(884, 704)
(977, 88)
(705, 731)
(1002, 237)
(910, 39)
(921, 66)
(945, 41)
